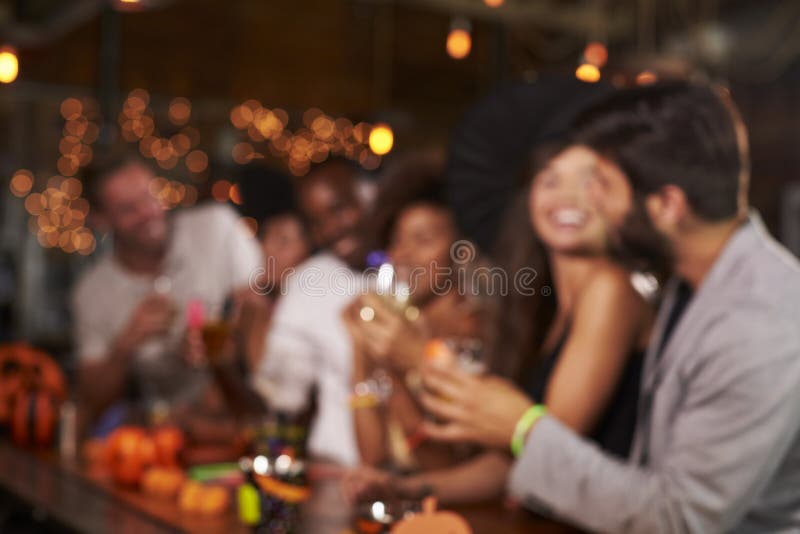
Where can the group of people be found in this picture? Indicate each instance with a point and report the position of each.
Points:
(646, 379)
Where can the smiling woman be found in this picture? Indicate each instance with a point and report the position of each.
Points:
(549, 343)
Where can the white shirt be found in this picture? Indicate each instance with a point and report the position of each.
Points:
(309, 343)
(209, 254)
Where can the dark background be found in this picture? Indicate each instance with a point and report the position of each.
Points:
(366, 60)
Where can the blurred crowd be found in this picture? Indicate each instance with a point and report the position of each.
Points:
(619, 353)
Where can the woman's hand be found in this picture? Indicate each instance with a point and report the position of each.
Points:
(387, 336)
(479, 409)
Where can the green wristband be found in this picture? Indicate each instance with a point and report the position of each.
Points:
(524, 425)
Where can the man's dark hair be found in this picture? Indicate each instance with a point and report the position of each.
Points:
(677, 133)
(338, 171)
(104, 166)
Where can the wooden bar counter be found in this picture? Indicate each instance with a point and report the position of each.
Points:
(84, 502)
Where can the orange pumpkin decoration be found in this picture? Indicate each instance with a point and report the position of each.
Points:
(163, 482)
(430, 520)
(23, 368)
(195, 497)
(169, 442)
(129, 451)
(34, 419)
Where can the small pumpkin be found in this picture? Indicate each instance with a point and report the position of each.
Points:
(163, 482)
(129, 452)
(169, 442)
(431, 520)
(195, 497)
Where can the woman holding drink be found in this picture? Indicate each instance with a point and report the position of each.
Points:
(391, 325)
(573, 341)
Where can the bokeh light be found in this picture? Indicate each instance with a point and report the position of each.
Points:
(221, 190)
(190, 196)
(180, 110)
(459, 43)
(9, 64)
(243, 153)
(596, 54)
(646, 77)
(381, 139)
(196, 161)
(181, 144)
(588, 73)
(21, 183)
(235, 195)
(71, 108)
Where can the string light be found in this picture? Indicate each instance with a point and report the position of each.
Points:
(646, 77)
(319, 136)
(459, 40)
(221, 190)
(21, 183)
(242, 153)
(9, 64)
(235, 195)
(381, 139)
(196, 161)
(129, 5)
(587, 73)
(596, 54)
(180, 109)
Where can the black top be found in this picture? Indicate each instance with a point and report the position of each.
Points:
(614, 430)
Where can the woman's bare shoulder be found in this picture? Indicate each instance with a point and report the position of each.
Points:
(611, 283)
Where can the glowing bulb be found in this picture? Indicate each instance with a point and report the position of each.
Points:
(9, 64)
(459, 43)
(378, 510)
(588, 73)
(381, 139)
(129, 5)
(596, 53)
(494, 3)
(646, 77)
(261, 465)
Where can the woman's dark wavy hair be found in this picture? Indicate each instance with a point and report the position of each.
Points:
(417, 180)
(522, 320)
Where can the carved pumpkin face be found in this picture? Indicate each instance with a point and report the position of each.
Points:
(44, 374)
(129, 451)
(25, 369)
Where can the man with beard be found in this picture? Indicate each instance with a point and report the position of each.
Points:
(717, 444)
(130, 307)
(308, 345)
